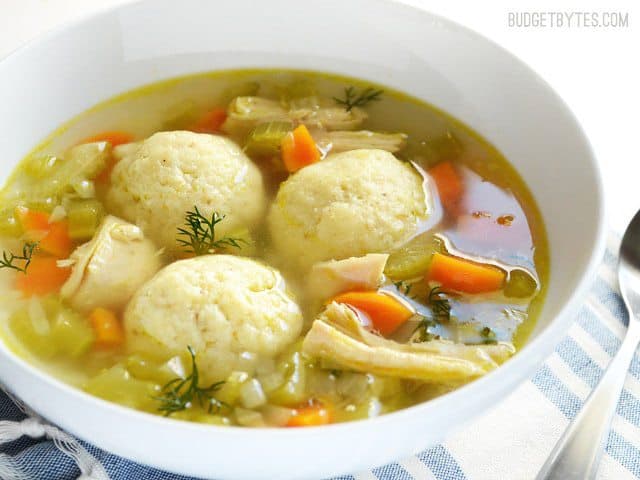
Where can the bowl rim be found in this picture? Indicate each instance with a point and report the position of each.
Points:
(529, 357)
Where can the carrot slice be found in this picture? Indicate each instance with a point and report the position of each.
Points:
(210, 122)
(386, 312)
(43, 276)
(448, 182)
(463, 275)
(57, 241)
(52, 238)
(114, 137)
(299, 149)
(107, 327)
(310, 416)
(32, 220)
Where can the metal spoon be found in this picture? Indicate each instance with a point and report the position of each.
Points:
(577, 454)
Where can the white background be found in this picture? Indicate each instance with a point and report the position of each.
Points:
(595, 70)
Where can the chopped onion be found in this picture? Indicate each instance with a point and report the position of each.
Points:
(352, 385)
(251, 394)
(277, 416)
(249, 418)
(58, 213)
(271, 381)
(38, 317)
(84, 188)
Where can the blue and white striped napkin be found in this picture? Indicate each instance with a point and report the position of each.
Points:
(511, 442)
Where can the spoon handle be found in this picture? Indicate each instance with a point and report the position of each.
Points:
(577, 454)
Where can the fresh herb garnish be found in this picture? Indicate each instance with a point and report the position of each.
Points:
(404, 287)
(488, 335)
(200, 235)
(440, 313)
(8, 258)
(355, 99)
(180, 393)
(423, 333)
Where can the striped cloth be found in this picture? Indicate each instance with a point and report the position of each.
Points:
(512, 441)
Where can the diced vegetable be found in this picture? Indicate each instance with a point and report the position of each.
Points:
(156, 370)
(41, 166)
(47, 328)
(52, 238)
(210, 122)
(24, 330)
(32, 220)
(520, 284)
(299, 149)
(449, 183)
(249, 418)
(462, 275)
(292, 391)
(71, 333)
(310, 416)
(9, 225)
(43, 276)
(84, 217)
(251, 394)
(338, 336)
(118, 385)
(342, 141)
(265, 139)
(245, 89)
(386, 312)
(114, 137)
(107, 327)
(412, 259)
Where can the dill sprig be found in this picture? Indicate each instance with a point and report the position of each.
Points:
(8, 258)
(440, 305)
(488, 336)
(440, 313)
(199, 234)
(404, 287)
(181, 393)
(353, 98)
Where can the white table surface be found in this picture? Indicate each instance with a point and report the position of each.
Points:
(596, 71)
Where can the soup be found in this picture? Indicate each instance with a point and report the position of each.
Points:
(268, 248)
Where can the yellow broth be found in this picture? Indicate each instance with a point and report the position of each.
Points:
(496, 220)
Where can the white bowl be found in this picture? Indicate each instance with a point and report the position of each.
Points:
(63, 73)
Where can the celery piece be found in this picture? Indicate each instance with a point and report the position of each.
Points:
(342, 141)
(293, 391)
(23, 329)
(145, 368)
(520, 284)
(412, 259)
(84, 217)
(70, 333)
(9, 226)
(118, 385)
(41, 166)
(82, 162)
(265, 139)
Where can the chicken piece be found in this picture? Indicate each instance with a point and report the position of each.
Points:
(338, 336)
(109, 268)
(244, 113)
(342, 141)
(327, 279)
